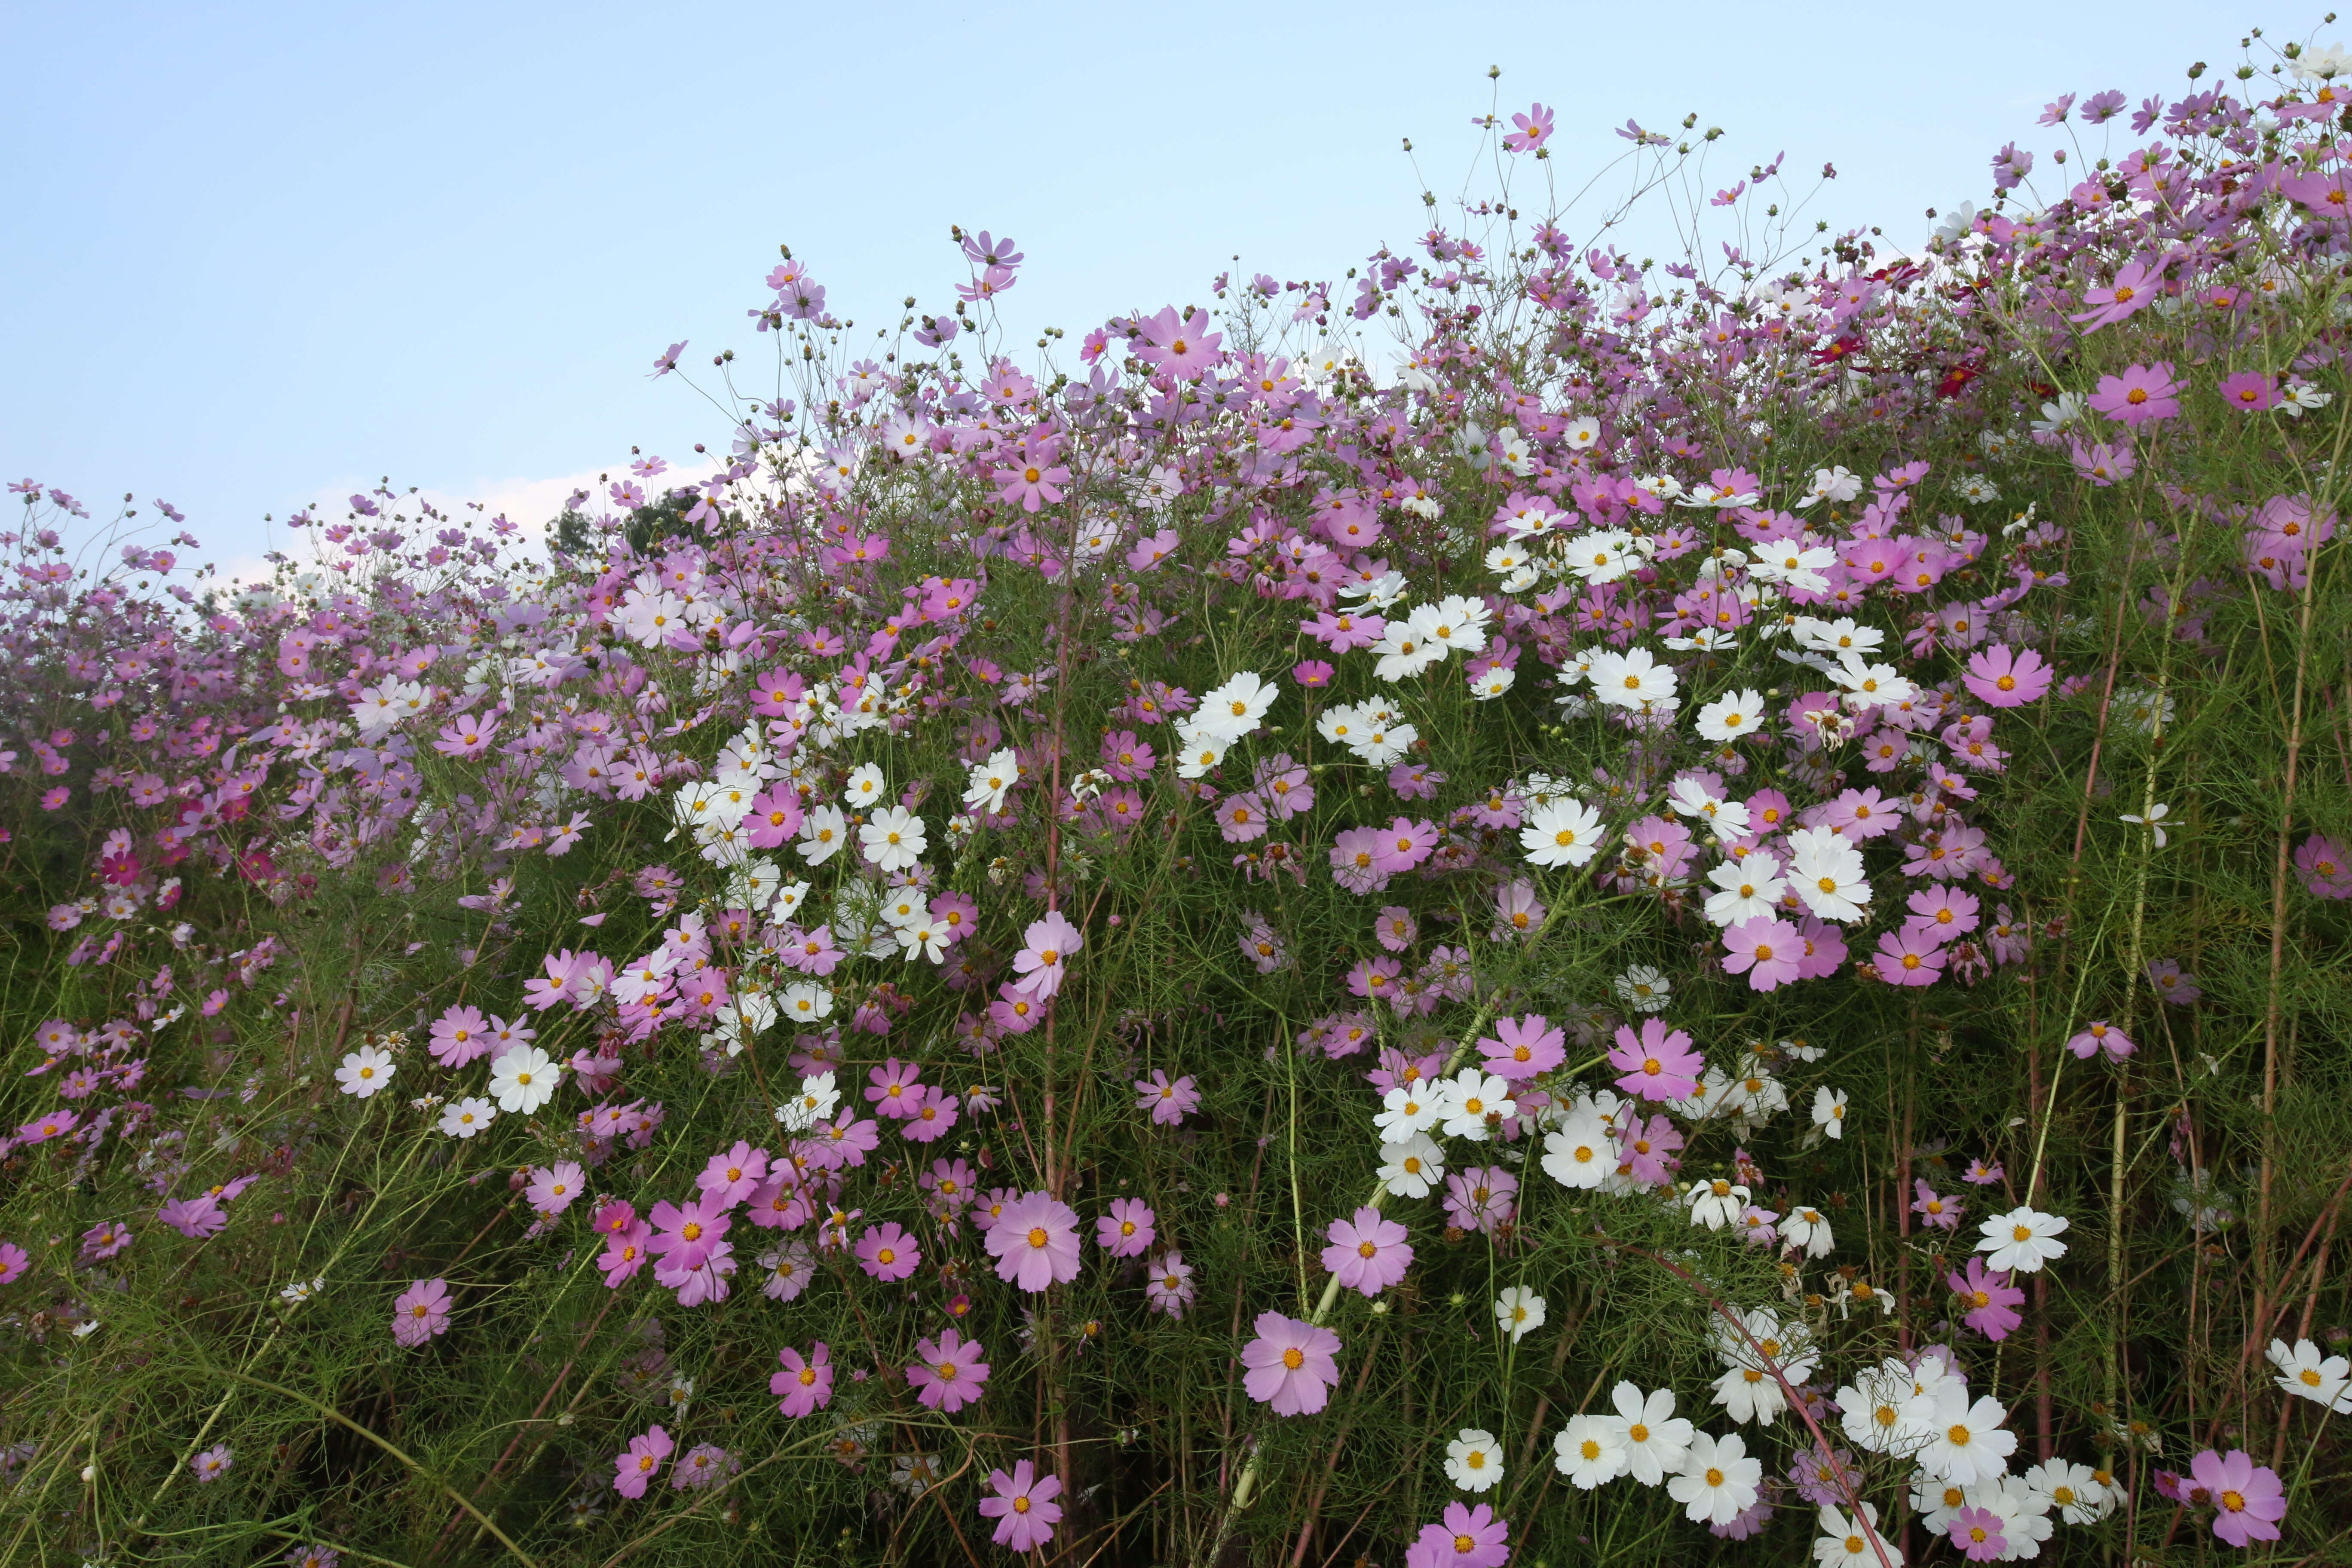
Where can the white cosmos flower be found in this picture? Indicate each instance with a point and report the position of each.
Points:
(823, 833)
(1809, 1229)
(2073, 1489)
(1589, 1450)
(1845, 1543)
(817, 1100)
(2153, 821)
(1198, 749)
(1717, 1481)
(1518, 1312)
(524, 1080)
(1467, 1099)
(2305, 1374)
(1826, 870)
(1561, 831)
(1474, 1461)
(1578, 1153)
(1238, 707)
(1966, 1442)
(1829, 1110)
(1716, 1204)
(805, 1002)
(1630, 679)
(1878, 1411)
(1644, 989)
(1412, 1167)
(986, 785)
(1404, 651)
(1872, 685)
(1406, 1110)
(1750, 889)
(865, 787)
(467, 1117)
(2022, 1240)
(365, 1070)
(1731, 716)
(1656, 1440)
(893, 838)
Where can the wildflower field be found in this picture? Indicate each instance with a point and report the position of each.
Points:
(1529, 905)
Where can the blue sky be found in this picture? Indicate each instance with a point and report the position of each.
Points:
(256, 256)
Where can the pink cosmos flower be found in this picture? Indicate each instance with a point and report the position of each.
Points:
(1035, 1242)
(195, 1217)
(1368, 1253)
(804, 1385)
(1770, 952)
(459, 1036)
(887, 1253)
(1044, 948)
(2001, 678)
(636, 1467)
(2103, 464)
(2248, 1501)
(775, 817)
(1524, 1048)
(686, 1236)
(420, 1312)
(1032, 477)
(1659, 1064)
(1404, 843)
(950, 1374)
(14, 1261)
(1128, 1231)
(1290, 1366)
(733, 1177)
(1169, 1287)
(2140, 394)
(41, 1129)
(625, 1251)
(104, 1240)
(2101, 1035)
(1168, 1102)
(1908, 958)
(2324, 869)
(213, 1463)
(466, 736)
(1480, 1197)
(1991, 1301)
(703, 1465)
(1022, 1506)
(1464, 1538)
(2136, 287)
(892, 1089)
(1530, 131)
(1014, 1011)
(1977, 1532)
(1646, 1151)
(1355, 861)
(936, 1114)
(554, 1188)
(1934, 1208)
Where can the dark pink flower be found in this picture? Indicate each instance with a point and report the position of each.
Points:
(1977, 1532)
(634, 1469)
(2250, 391)
(804, 1385)
(625, 1251)
(2143, 393)
(733, 1177)
(1991, 1301)
(2325, 871)
(686, 1236)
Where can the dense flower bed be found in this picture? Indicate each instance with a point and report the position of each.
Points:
(1517, 908)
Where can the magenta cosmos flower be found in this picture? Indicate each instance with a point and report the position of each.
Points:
(1909, 958)
(1462, 1538)
(1290, 1364)
(459, 1036)
(804, 1385)
(887, 1253)
(1035, 1242)
(1022, 1506)
(554, 1188)
(2324, 870)
(684, 1237)
(1991, 1301)
(1977, 1532)
(1771, 953)
(421, 1311)
(1368, 1252)
(1045, 948)
(1658, 1064)
(637, 1465)
(2001, 678)
(950, 1374)
(1525, 1048)
(2247, 1500)
(2141, 394)
(1128, 1231)
(2249, 391)
(733, 1177)
(14, 1261)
